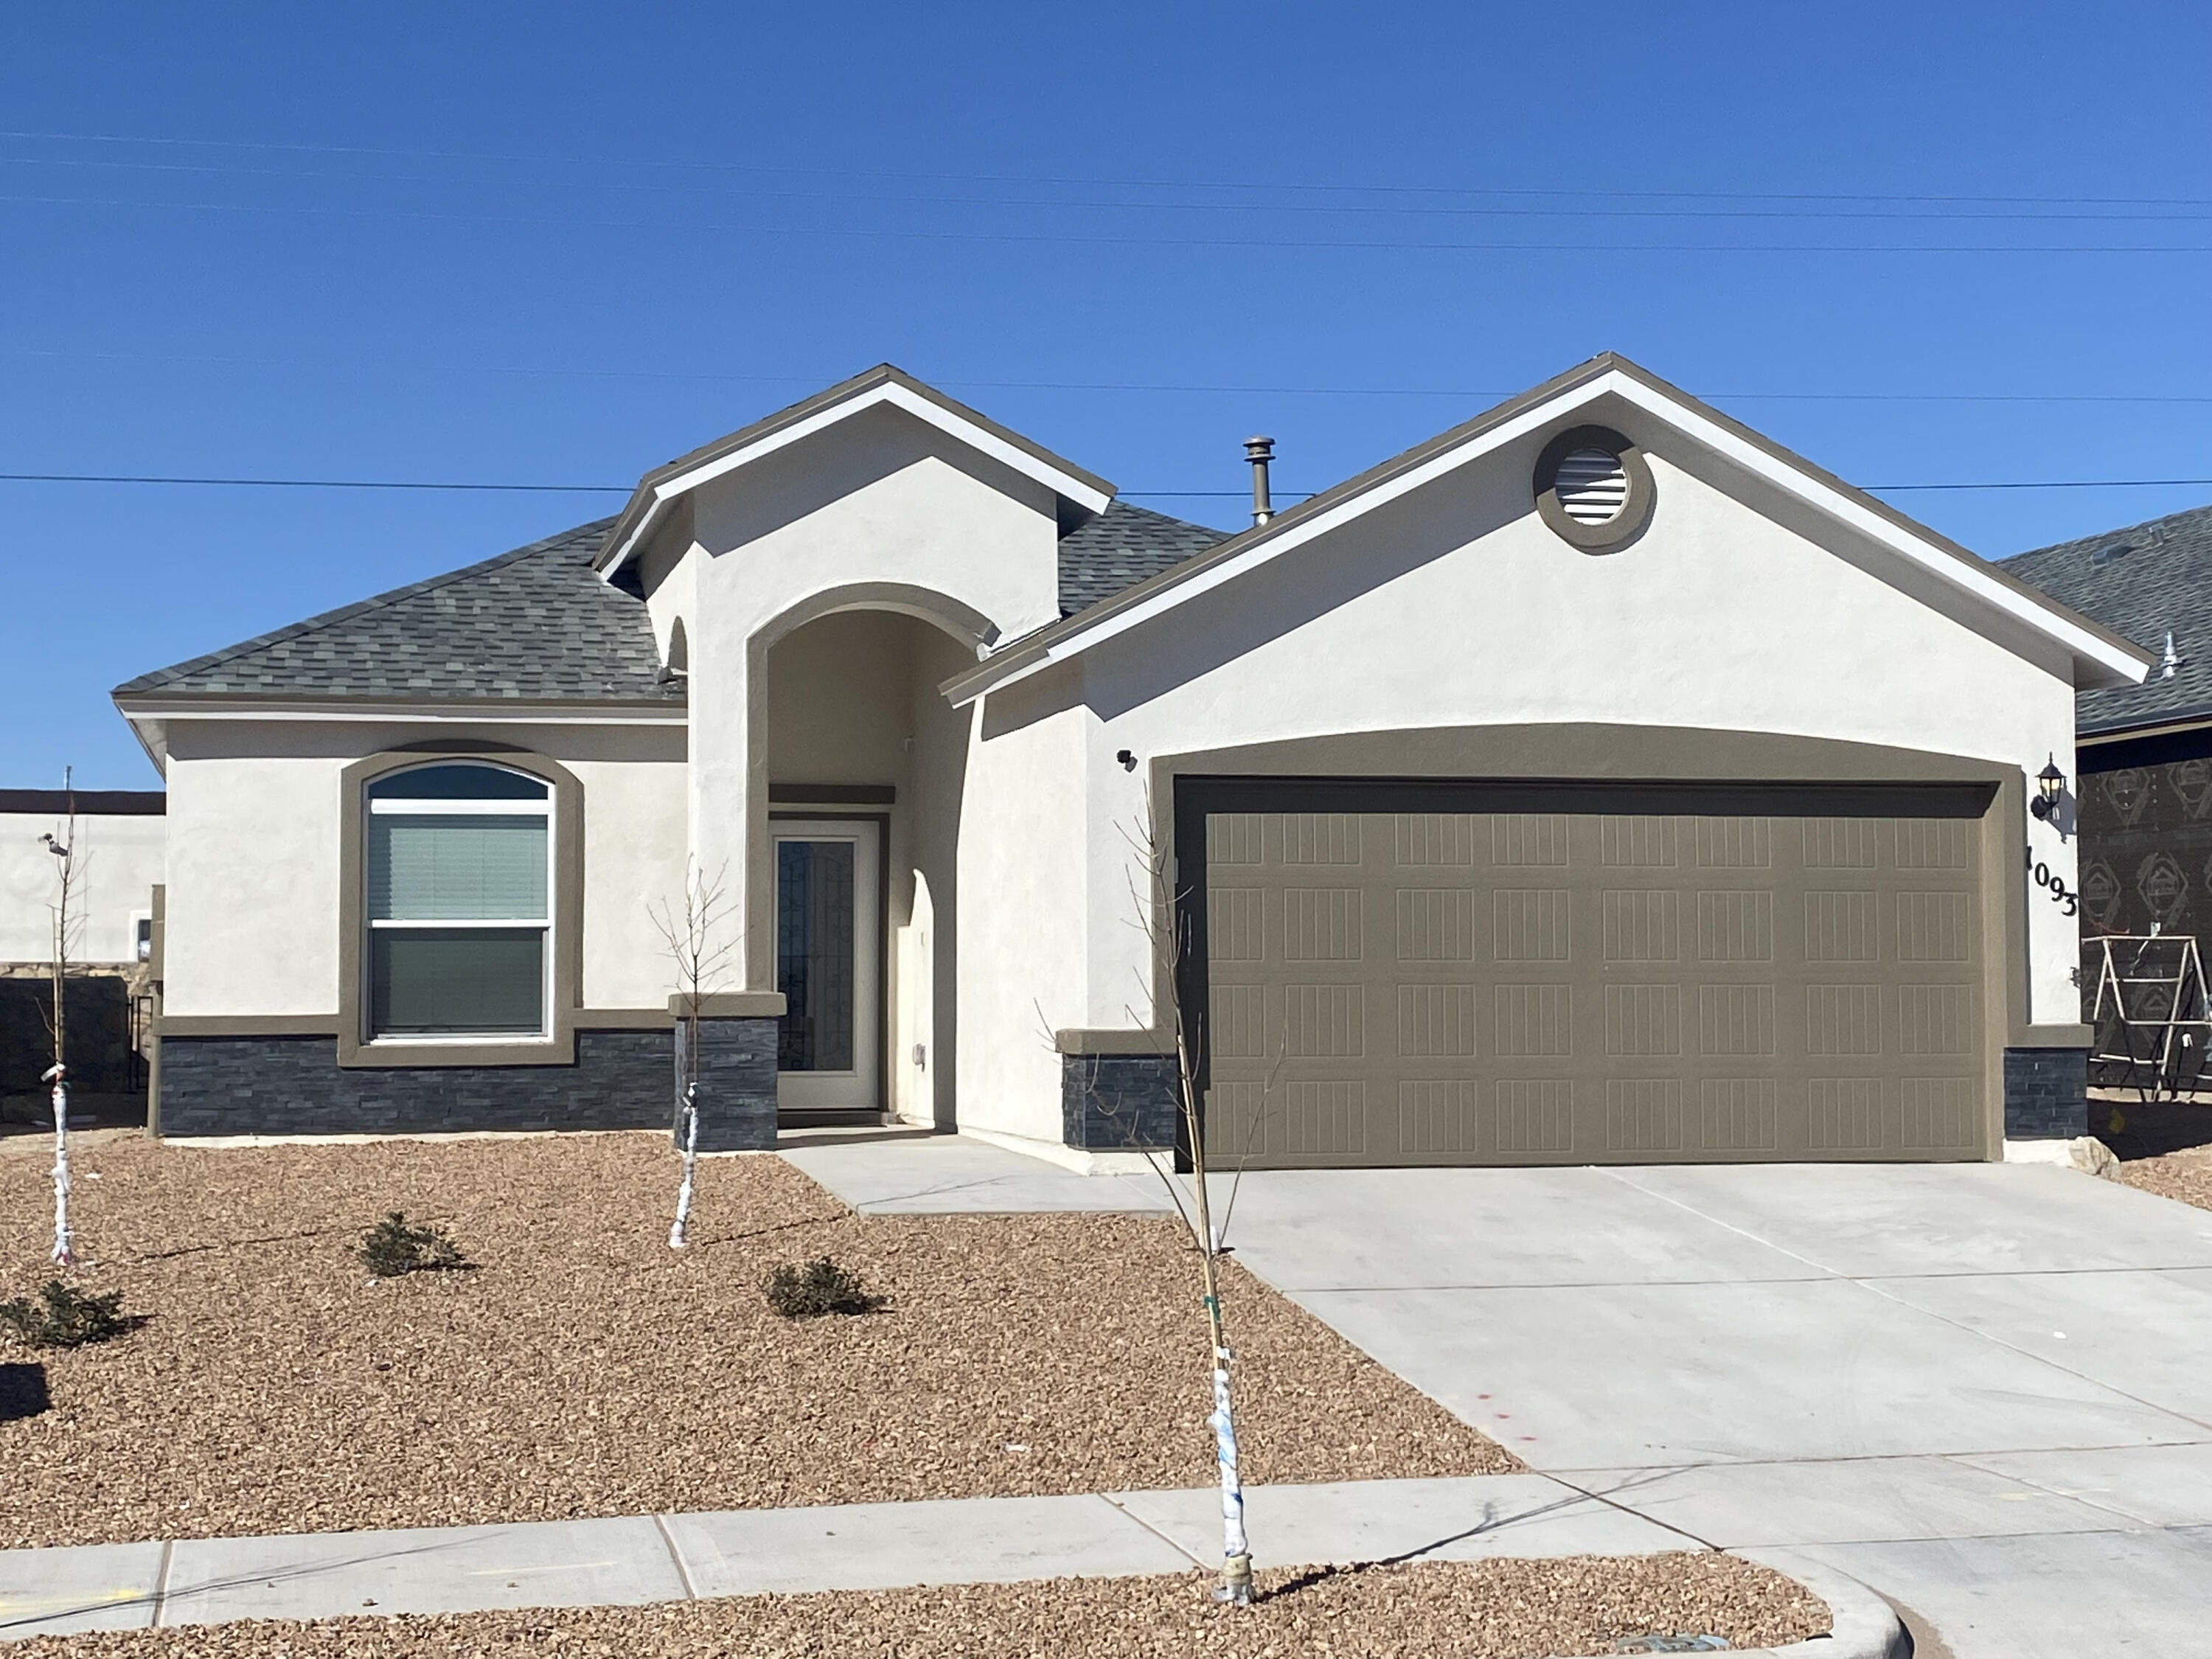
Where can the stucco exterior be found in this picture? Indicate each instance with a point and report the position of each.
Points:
(860, 615)
(253, 914)
(1456, 606)
(119, 859)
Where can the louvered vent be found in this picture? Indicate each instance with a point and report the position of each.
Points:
(1592, 486)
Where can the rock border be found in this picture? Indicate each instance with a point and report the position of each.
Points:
(1865, 1626)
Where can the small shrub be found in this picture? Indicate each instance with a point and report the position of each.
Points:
(819, 1287)
(65, 1317)
(393, 1247)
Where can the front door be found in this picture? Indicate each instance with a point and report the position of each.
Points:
(828, 964)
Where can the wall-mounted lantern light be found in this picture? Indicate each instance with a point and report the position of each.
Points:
(2050, 784)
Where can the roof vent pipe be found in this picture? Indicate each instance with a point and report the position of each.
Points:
(1259, 452)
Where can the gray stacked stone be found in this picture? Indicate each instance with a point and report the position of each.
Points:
(295, 1085)
(2046, 1094)
(1119, 1103)
(736, 1085)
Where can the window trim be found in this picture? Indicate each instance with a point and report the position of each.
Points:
(556, 1045)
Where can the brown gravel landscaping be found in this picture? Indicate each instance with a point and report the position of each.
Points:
(580, 1367)
(2164, 1146)
(1504, 1609)
(2183, 1175)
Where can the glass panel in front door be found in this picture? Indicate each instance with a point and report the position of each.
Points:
(814, 939)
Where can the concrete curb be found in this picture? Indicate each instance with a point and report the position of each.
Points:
(1865, 1626)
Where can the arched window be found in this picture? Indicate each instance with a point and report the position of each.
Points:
(679, 649)
(460, 896)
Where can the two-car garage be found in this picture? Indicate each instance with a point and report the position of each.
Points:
(1393, 973)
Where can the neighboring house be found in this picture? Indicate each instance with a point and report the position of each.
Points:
(1596, 781)
(117, 852)
(2144, 752)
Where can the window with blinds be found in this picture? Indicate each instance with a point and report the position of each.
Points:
(458, 902)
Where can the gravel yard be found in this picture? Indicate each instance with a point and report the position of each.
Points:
(581, 1367)
(2186, 1175)
(1501, 1610)
(2164, 1146)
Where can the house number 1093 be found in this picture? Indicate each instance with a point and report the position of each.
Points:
(2060, 893)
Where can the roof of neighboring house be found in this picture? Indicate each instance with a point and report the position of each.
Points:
(2143, 581)
(535, 625)
(1122, 547)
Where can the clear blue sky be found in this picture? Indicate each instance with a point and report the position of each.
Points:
(553, 244)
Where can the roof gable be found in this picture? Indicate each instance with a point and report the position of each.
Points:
(1086, 492)
(2100, 656)
(534, 624)
(2146, 581)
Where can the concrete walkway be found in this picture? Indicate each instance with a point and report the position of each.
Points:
(673, 1558)
(950, 1175)
(1986, 1390)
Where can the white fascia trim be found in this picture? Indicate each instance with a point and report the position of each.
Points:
(922, 409)
(2078, 642)
(386, 714)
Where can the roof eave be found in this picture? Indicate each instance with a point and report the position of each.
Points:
(162, 706)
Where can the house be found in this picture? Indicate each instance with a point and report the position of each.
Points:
(2145, 755)
(1596, 781)
(2145, 751)
(117, 850)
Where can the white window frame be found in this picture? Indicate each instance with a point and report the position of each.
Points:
(405, 806)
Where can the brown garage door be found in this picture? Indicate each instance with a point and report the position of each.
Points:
(1701, 975)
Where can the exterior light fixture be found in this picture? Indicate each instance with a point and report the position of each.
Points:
(2049, 783)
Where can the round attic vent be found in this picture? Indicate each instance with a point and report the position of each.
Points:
(1593, 487)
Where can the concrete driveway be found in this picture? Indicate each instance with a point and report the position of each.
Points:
(1985, 1390)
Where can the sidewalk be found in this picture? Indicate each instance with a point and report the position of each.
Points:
(671, 1557)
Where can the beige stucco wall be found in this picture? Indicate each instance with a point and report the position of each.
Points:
(255, 812)
(118, 860)
(851, 698)
(1457, 606)
(1026, 959)
(883, 512)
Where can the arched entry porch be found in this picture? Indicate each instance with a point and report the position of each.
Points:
(852, 852)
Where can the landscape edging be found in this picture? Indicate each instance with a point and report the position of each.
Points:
(1864, 1626)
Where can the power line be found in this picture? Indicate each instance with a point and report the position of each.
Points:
(386, 367)
(1096, 182)
(1569, 204)
(1278, 244)
(308, 484)
(1148, 495)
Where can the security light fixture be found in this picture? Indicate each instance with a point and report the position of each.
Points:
(2050, 784)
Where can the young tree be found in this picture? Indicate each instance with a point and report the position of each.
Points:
(67, 872)
(697, 945)
(1162, 918)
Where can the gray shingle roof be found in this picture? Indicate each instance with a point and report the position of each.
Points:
(1120, 548)
(2143, 581)
(539, 624)
(534, 624)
